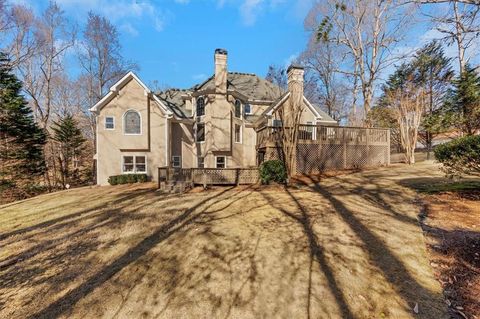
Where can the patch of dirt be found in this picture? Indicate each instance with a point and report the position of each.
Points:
(452, 228)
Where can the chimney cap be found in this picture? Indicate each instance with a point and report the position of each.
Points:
(221, 51)
(295, 66)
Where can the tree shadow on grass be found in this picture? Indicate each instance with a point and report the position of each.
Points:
(63, 304)
(390, 265)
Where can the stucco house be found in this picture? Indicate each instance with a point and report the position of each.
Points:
(211, 125)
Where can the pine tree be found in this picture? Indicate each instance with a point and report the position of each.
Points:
(465, 101)
(71, 142)
(21, 139)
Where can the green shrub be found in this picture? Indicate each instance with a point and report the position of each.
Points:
(460, 156)
(273, 171)
(127, 179)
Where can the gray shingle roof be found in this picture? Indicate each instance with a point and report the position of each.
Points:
(323, 114)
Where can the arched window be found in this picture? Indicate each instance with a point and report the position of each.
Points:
(132, 122)
(238, 108)
(200, 106)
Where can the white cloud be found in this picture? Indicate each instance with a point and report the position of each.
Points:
(122, 10)
(249, 11)
(128, 28)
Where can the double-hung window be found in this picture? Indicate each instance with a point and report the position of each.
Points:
(221, 161)
(176, 161)
(109, 123)
(134, 164)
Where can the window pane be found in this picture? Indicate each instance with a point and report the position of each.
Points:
(132, 122)
(238, 108)
(248, 108)
(140, 164)
(201, 163)
(109, 124)
(200, 106)
(277, 123)
(176, 161)
(221, 162)
(200, 132)
(128, 163)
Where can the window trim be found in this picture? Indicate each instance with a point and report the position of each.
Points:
(124, 126)
(234, 133)
(196, 130)
(179, 161)
(105, 123)
(216, 163)
(134, 164)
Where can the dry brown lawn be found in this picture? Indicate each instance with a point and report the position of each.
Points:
(349, 246)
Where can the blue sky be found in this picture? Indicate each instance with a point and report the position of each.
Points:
(173, 40)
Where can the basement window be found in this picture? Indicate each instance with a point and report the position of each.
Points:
(221, 161)
(176, 161)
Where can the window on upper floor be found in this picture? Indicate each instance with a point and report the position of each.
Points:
(238, 108)
(200, 133)
(248, 108)
(109, 123)
(132, 123)
(200, 106)
(238, 133)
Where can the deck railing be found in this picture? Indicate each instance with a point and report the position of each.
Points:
(209, 176)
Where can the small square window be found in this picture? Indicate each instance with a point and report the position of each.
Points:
(200, 136)
(201, 162)
(140, 164)
(176, 161)
(238, 133)
(221, 161)
(128, 165)
(277, 123)
(109, 123)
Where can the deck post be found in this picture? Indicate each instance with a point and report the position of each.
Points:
(388, 146)
(367, 132)
(344, 143)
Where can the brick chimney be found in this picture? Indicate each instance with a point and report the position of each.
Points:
(295, 83)
(221, 71)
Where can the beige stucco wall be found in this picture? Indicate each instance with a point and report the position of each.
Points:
(183, 144)
(113, 144)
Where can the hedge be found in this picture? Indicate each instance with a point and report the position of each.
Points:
(273, 171)
(127, 179)
(460, 156)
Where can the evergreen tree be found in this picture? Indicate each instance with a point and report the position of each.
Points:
(464, 101)
(21, 139)
(432, 70)
(71, 143)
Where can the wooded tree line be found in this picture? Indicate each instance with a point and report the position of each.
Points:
(38, 91)
(355, 44)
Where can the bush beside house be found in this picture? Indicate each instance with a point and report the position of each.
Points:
(273, 171)
(127, 179)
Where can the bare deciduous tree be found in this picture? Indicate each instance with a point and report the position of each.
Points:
(368, 30)
(460, 27)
